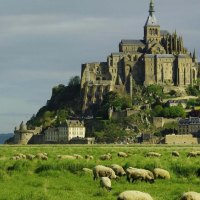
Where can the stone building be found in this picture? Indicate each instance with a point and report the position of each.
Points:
(189, 126)
(24, 136)
(159, 58)
(63, 134)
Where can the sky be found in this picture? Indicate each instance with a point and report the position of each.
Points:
(44, 42)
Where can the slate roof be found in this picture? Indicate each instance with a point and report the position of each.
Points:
(188, 121)
(133, 42)
(165, 56)
(183, 56)
(151, 21)
(74, 123)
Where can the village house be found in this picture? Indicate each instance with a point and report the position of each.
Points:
(64, 133)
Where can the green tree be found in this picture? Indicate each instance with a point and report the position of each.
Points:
(74, 81)
(115, 100)
(191, 103)
(173, 112)
(157, 111)
(153, 94)
(192, 90)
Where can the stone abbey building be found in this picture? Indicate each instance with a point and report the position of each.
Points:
(159, 58)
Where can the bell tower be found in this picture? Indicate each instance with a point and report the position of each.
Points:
(151, 28)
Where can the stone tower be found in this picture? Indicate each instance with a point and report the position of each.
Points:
(151, 28)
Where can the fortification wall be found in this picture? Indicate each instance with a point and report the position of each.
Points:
(181, 139)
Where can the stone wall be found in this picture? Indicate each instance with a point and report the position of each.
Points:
(158, 122)
(181, 139)
(22, 138)
(124, 113)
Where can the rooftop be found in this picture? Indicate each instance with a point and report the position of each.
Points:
(191, 120)
(133, 42)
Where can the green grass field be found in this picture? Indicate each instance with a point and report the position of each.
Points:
(63, 179)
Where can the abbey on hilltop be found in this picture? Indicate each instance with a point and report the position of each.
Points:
(159, 58)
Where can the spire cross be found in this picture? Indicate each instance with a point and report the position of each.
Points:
(151, 8)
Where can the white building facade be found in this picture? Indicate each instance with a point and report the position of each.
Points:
(63, 134)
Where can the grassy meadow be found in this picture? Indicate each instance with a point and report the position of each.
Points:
(55, 179)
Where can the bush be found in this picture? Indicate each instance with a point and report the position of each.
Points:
(168, 112)
(192, 90)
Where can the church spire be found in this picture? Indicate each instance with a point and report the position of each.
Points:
(194, 56)
(151, 28)
(151, 8)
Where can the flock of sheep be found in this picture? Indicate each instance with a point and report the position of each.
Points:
(115, 171)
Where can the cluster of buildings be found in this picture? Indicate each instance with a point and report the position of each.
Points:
(73, 132)
(188, 132)
(160, 57)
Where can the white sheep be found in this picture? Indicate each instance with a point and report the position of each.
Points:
(105, 157)
(89, 157)
(161, 173)
(153, 154)
(105, 182)
(190, 196)
(175, 153)
(20, 155)
(77, 156)
(192, 154)
(41, 156)
(30, 157)
(15, 158)
(139, 174)
(119, 171)
(122, 154)
(102, 171)
(134, 195)
(67, 157)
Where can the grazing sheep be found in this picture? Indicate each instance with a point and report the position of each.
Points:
(30, 157)
(102, 171)
(161, 173)
(15, 158)
(153, 154)
(139, 174)
(122, 154)
(190, 196)
(89, 157)
(77, 156)
(105, 182)
(119, 171)
(45, 154)
(87, 170)
(134, 195)
(175, 153)
(67, 157)
(44, 157)
(106, 157)
(20, 155)
(41, 156)
(192, 154)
